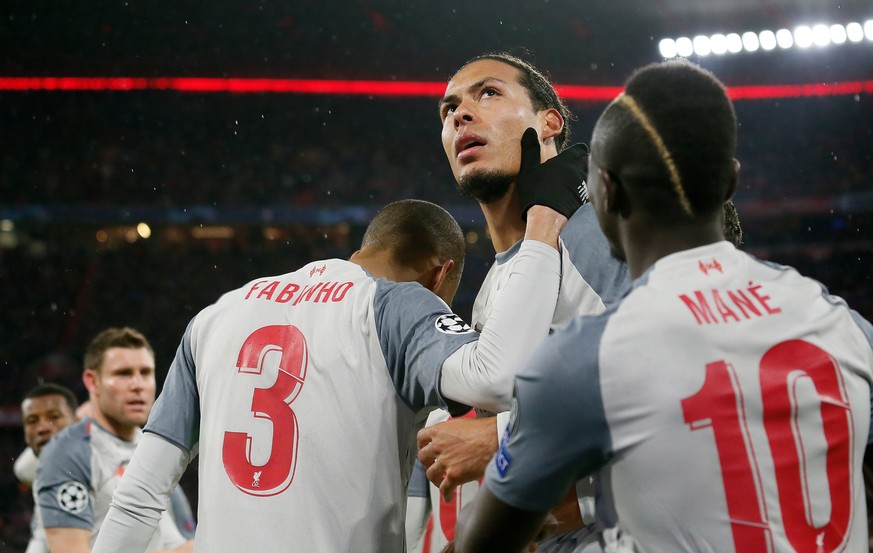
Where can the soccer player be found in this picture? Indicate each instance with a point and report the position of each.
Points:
(46, 410)
(302, 392)
(79, 469)
(725, 401)
(488, 105)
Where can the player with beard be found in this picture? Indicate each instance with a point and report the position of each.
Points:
(488, 105)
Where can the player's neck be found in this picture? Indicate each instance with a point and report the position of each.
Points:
(123, 431)
(644, 246)
(503, 218)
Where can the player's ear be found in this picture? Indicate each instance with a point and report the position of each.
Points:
(552, 123)
(89, 378)
(354, 255)
(435, 280)
(735, 178)
(611, 191)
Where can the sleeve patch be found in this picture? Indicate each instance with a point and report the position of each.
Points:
(452, 324)
(503, 459)
(73, 497)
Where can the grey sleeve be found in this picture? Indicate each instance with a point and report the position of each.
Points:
(183, 516)
(590, 254)
(176, 413)
(419, 486)
(557, 431)
(417, 332)
(141, 496)
(63, 480)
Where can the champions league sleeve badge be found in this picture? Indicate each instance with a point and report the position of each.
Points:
(73, 497)
(452, 324)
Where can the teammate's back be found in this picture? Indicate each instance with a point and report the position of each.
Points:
(751, 372)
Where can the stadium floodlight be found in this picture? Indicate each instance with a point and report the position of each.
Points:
(750, 41)
(702, 46)
(821, 35)
(767, 40)
(838, 34)
(784, 39)
(684, 46)
(668, 48)
(734, 43)
(803, 36)
(718, 42)
(855, 32)
(868, 29)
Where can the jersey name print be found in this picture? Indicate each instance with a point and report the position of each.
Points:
(262, 399)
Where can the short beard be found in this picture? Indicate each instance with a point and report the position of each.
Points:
(486, 186)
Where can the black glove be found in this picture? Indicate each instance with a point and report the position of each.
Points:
(559, 183)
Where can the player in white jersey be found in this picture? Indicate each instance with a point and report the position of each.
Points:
(302, 392)
(725, 401)
(488, 105)
(46, 410)
(80, 468)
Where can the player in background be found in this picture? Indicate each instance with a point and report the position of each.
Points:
(725, 401)
(488, 106)
(294, 386)
(45, 410)
(80, 467)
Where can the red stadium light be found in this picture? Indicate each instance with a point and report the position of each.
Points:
(379, 88)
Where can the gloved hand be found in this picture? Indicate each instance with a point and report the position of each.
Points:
(559, 183)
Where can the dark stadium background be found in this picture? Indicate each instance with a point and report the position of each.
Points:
(235, 186)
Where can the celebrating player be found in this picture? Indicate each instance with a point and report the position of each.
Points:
(486, 111)
(302, 392)
(46, 410)
(724, 401)
(81, 467)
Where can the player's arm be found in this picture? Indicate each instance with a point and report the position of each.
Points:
(489, 524)
(25, 466)
(142, 496)
(68, 540)
(562, 378)
(481, 373)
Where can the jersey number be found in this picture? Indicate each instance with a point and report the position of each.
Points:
(273, 404)
(719, 404)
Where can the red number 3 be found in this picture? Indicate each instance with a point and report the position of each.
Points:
(720, 404)
(273, 404)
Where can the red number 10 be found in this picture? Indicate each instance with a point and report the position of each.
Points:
(720, 404)
(273, 404)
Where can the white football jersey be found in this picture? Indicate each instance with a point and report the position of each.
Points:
(726, 401)
(591, 278)
(264, 382)
(78, 471)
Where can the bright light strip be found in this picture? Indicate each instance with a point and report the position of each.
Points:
(702, 46)
(734, 43)
(855, 32)
(803, 36)
(668, 48)
(767, 40)
(719, 44)
(379, 88)
(837, 34)
(820, 35)
(750, 41)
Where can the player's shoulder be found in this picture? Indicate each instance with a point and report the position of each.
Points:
(68, 454)
(71, 439)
